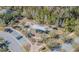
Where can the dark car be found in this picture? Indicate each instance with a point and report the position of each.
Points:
(8, 30)
(69, 40)
(27, 26)
(3, 45)
(19, 17)
(41, 31)
(56, 47)
(30, 35)
(19, 37)
(38, 30)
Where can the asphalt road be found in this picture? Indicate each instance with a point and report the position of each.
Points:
(17, 45)
(14, 45)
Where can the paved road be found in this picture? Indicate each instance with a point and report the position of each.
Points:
(14, 45)
(17, 45)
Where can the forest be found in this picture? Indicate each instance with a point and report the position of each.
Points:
(61, 16)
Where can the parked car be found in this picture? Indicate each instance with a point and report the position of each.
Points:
(30, 34)
(41, 31)
(27, 26)
(19, 37)
(56, 47)
(8, 30)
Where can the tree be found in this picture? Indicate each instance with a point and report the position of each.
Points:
(70, 24)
